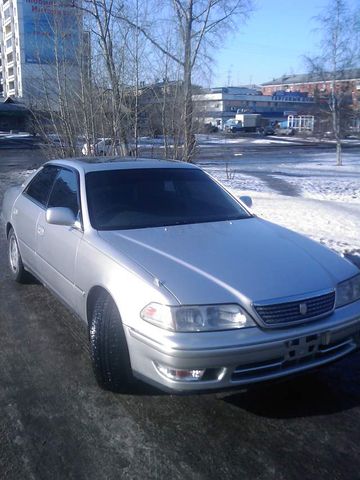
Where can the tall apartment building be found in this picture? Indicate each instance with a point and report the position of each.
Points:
(39, 47)
(10, 72)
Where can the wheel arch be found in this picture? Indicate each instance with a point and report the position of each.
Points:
(8, 228)
(92, 296)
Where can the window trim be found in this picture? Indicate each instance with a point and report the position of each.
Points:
(25, 191)
(45, 207)
(72, 170)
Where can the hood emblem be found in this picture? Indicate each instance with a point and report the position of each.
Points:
(303, 308)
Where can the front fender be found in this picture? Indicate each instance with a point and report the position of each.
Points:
(130, 288)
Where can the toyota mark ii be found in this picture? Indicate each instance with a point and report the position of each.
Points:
(180, 285)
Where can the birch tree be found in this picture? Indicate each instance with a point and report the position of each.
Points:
(338, 54)
(198, 25)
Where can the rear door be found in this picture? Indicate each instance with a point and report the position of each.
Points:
(29, 205)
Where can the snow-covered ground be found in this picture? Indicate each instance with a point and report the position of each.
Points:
(325, 199)
(15, 135)
(259, 139)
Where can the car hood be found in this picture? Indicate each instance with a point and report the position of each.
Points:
(246, 260)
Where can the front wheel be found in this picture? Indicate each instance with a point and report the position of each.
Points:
(108, 346)
(17, 270)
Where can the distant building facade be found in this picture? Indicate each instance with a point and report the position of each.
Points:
(315, 84)
(39, 43)
(217, 105)
(319, 86)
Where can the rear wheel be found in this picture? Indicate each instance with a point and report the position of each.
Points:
(17, 270)
(108, 346)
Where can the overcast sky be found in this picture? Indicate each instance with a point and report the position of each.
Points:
(272, 43)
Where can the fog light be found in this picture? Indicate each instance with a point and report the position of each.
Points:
(180, 375)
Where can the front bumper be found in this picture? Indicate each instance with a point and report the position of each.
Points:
(237, 358)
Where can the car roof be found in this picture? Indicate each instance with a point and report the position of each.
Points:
(94, 164)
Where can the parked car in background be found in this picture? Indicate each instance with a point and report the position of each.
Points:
(58, 141)
(55, 140)
(88, 148)
(178, 283)
(104, 147)
(285, 131)
(268, 130)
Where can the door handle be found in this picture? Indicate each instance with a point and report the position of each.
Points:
(40, 230)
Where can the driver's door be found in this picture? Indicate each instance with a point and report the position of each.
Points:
(57, 245)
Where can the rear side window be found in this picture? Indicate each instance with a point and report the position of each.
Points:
(40, 186)
(65, 191)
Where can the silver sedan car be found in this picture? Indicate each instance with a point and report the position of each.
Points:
(178, 283)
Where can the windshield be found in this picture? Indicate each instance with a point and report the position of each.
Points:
(155, 197)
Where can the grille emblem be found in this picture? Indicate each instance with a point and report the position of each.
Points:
(303, 308)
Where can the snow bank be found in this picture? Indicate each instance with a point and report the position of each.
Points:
(326, 206)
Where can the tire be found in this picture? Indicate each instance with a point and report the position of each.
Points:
(108, 347)
(17, 270)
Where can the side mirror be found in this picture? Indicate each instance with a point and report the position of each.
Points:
(60, 216)
(247, 200)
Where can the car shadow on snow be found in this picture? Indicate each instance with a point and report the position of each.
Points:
(327, 391)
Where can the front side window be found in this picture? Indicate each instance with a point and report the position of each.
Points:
(40, 186)
(65, 192)
(154, 197)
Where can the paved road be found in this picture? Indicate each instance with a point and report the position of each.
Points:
(55, 422)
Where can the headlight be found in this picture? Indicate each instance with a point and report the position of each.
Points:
(348, 291)
(202, 318)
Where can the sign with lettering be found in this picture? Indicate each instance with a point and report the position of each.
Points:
(51, 31)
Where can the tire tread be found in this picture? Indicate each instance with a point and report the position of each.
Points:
(109, 350)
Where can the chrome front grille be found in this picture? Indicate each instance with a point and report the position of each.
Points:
(296, 311)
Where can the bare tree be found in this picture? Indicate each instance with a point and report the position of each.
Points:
(102, 102)
(54, 94)
(110, 39)
(198, 25)
(338, 55)
(94, 101)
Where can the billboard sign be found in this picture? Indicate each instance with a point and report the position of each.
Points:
(51, 31)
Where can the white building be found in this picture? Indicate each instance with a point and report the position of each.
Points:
(39, 42)
(218, 105)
